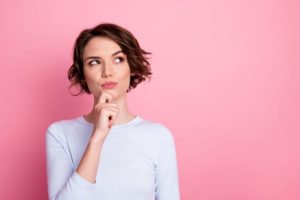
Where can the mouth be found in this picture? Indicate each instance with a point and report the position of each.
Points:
(109, 85)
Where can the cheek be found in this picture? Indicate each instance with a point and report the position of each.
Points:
(92, 74)
(86, 74)
(126, 78)
(125, 72)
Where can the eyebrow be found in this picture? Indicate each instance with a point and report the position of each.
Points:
(98, 57)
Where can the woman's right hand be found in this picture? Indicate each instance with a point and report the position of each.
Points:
(106, 114)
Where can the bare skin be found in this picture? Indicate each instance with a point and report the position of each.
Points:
(103, 63)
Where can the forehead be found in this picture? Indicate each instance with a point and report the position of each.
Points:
(100, 46)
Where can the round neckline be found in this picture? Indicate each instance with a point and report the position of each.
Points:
(135, 120)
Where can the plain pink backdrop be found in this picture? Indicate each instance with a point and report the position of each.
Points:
(226, 83)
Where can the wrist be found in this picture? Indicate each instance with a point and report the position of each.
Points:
(97, 137)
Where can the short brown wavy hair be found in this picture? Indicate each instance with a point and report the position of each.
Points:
(136, 56)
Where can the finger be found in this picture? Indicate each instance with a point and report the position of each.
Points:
(108, 110)
(113, 118)
(104, 108)
(108, 105)
(111, 111)
(105, 97)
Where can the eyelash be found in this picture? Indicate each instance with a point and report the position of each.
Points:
(121, 60)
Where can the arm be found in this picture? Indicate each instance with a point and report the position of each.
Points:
(167, 184)
(63, 181)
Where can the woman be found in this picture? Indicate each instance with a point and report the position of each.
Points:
(110, 153)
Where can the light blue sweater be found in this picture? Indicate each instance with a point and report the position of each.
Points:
(137, 162)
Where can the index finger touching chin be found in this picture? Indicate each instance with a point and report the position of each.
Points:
(105, 97)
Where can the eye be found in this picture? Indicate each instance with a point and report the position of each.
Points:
(119, 59)
(94, 62)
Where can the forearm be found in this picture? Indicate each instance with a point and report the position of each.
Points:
(88, 165)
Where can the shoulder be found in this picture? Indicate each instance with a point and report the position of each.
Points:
(58, 129)
(161, 131)
(66, 123)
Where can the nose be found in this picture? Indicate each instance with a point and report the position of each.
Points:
(107, 71)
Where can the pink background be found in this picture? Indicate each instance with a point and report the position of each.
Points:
(226, 83)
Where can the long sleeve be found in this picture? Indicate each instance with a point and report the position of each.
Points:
(167, 184)
(63, 181)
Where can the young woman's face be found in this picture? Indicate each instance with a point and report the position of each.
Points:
(104, 61)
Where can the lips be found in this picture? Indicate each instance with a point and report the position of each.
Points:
(109, 85)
